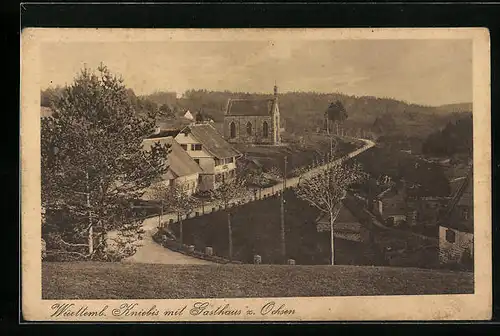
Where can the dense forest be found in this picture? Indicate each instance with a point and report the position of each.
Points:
(455, 138)
(304, 112)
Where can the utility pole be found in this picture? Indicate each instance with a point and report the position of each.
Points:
(283, 242)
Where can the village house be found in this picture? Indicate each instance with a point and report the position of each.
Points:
(255, 121)
(216, 157)
(182, 171)
(346, 226)
(390, 205)
(403, 205)
(188, 115)
(456, 228)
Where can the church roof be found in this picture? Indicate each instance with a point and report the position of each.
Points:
(250, 107)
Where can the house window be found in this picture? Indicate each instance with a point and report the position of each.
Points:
(232, 130)
(184, 146)
(249, 128)
(196, 147)
(265, 129)
(230, 160)
(450, 236)
(217, 162)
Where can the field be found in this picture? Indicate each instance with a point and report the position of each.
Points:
(300, 151)
(256, 230)
(93, 280)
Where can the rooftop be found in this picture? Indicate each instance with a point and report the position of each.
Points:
(165, 133)
(180, 163)
(212, 140)
(462, 198)
(345, 221)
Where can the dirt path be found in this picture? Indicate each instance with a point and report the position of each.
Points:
(151, 252)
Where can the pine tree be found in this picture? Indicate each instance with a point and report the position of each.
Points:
(93, 166)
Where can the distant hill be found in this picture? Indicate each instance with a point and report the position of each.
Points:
(451, 108)
(304, 111)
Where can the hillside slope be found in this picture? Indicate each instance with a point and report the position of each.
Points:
(304, 110)
(92, 280)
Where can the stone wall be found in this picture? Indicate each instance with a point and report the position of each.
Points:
(242, 135)
(450, 253)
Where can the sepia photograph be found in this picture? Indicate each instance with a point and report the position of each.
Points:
(255, 174)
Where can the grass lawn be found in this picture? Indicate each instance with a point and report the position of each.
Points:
(93, 280)
(256, 230)
(314, 148)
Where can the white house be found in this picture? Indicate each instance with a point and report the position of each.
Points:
(215, 156)
(456, 229)
(182, 169)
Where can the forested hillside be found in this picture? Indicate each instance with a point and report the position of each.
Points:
(455, 138)
(304, 111)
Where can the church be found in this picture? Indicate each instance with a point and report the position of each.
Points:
(255, 121)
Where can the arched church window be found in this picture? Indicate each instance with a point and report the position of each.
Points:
(249, 128)
(232, 130)
(265, 129)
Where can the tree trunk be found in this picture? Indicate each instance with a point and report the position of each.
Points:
(230, 235)
(160, 219)
(91, 229)
(91, 241)
(332, 239)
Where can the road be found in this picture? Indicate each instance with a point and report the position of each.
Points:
(151, 252)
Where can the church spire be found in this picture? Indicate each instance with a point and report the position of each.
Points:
(275, 90)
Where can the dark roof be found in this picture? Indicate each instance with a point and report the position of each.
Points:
(250, 107)
(165, 133)
(179, 161)
(463, 197)
(345, 221)
(212, 141)
(393, 203)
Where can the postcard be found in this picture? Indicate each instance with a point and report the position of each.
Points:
(255, 174)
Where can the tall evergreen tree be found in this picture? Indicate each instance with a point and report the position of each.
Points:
(93, 166)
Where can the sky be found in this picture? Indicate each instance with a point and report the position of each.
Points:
(429, 72)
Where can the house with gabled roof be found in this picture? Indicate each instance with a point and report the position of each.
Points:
(208, 148)
(456, 227)
(346, 226)
(255, 121)
(182, 170)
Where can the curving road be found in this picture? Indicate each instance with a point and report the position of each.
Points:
(151, 252)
